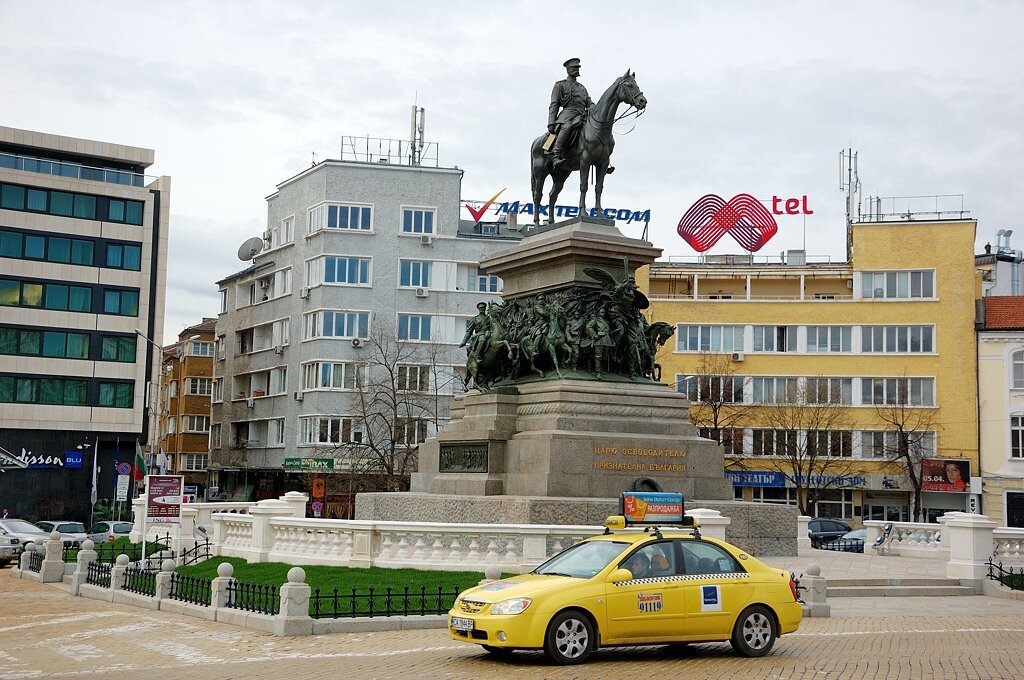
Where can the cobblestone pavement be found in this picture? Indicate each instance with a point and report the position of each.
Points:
(46, 633)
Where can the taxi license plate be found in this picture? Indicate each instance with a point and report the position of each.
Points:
(461, 623)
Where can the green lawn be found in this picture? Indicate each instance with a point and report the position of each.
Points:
(428, 591)
(108, 552)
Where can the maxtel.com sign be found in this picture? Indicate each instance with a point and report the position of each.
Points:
(743, 217)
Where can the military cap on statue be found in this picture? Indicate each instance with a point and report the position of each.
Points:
(575, 61)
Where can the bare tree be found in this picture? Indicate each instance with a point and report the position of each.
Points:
(808, 431)
(905, 406)
(717, 404)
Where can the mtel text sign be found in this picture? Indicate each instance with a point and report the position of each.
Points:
(743, 217)
(567, 211)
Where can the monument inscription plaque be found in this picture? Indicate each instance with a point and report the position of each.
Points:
(462, 458)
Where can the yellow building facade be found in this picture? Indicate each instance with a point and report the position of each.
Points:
(887, 341)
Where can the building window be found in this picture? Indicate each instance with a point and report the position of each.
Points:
(223, 301)
(172, 388)
(711, 388)
(898, 391)
(337, 324)
(350, 270)
(121, 302)
(330, 430)
(1017, 437)
(414, 274)
(57, 344)
(831, 444)
(832, 339)
(340, 216)
(340, 376)
(897, 285)
(774, 339)
(200, 349)
(124, 257)
(414, 327)
(413, 378)
(196, 423)
(56, 296)
(282, 233)
(54, 391)
(897, 339)
(193, 461)
(410, 431)
(115, 348)
(773, 442)
(117, 395)
(829, 391)
(731, 438)
(778, 495)
(217, 391)
(172, 425)
(201, 386)
(417, 221)
(27, 246)
(275, 432)
(835, 503)
(61, 203)
(277, 382)
(773, 390)
(890, 445)
(1018, 370)
(709, 338)
(215, 436)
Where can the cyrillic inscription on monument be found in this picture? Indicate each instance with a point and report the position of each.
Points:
(462, 458)
(642, 465)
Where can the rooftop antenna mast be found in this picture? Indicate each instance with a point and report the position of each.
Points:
(850, 183)
(419, 118)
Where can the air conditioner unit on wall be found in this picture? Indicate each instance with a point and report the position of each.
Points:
(303, 292)
(299, 396)
(422, 292)
(250, 402)
(279, 349)
(426, 240)
(737, 356)
(356, 342)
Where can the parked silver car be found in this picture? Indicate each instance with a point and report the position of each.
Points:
(24, 531)
(10, 548)
(73, 533)
(101, 532)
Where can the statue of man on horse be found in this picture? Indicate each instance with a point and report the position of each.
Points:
(582, 132)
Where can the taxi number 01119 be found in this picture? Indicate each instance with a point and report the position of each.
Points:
(460, 623)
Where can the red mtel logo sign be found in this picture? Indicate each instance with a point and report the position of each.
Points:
(743, 217)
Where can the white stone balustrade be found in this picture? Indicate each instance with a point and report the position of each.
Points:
(1009, 546)
(970, 539)
(909, 539)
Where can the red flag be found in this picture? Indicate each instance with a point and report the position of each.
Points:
(140, 463)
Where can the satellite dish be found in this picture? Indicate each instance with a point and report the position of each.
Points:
(250, 248)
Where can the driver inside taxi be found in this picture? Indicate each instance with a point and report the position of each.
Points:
(638, 565)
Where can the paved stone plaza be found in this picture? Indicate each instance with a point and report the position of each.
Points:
(47, 633)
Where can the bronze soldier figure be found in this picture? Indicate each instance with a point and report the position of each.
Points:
(572, 98)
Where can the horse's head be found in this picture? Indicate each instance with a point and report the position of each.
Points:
(629, 91)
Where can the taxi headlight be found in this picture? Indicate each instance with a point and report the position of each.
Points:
(514, 606)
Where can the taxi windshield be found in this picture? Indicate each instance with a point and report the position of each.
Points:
(583, 560)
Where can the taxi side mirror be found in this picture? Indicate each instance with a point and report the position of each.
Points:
(619, 575)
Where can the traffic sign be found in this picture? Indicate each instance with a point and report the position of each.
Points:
(124, 468)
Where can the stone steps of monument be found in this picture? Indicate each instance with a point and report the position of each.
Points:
(897, 587)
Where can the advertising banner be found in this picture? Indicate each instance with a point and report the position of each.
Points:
(945, 474)
(163, 498)
(649, 507)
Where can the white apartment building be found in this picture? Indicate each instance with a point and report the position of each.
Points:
(368, 279)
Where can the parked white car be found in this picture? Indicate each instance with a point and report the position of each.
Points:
(24, 531)
(73, 533)
(10, 548)
(101, 532)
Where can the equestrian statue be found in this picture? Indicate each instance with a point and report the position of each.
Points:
(579, 137)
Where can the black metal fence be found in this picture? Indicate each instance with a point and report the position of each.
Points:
(262, 598)
(35, 561)
(98, 574)
(197, 553)
(1006, 575)
(108, 552)
(140, 581)
(390, 602)
(190, 589)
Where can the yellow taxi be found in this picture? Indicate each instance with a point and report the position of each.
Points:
(664, 584)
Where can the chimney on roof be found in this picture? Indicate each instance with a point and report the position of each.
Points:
(988, 248)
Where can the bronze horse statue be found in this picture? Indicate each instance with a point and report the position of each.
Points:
(592, 148)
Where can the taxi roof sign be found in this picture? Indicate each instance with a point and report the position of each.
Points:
(648, 508)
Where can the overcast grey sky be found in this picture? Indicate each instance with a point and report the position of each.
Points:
(745, 97)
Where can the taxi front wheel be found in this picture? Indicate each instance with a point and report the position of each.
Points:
(755, 632)
(570, 638)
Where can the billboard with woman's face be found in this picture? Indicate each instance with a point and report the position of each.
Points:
(945, 474)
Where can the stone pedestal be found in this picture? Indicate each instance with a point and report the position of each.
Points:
(571, 438)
